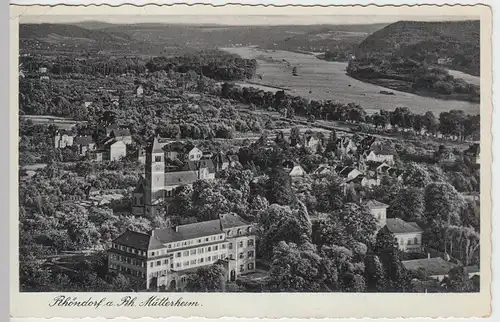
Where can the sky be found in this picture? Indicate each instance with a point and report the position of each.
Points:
(238, 20)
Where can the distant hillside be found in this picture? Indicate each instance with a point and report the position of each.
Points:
(62, 31)
(454, 44)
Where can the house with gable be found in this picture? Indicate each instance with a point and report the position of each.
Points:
(294, 169)
(379, 211)
(311, 142)
(85, 143)
(408, 234)
(63, 139)
(121, 134)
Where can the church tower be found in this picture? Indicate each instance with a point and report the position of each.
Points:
(154, 176)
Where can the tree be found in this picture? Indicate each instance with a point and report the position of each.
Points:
(416, 176)
(295, 268)
(443, 204)
(328, 193)
(358, 221)
(458, 281)
(294, 136)
(207, 279)
(407, 205)
(464, 240)
(280, 188)
(374, 274)
(331, 144)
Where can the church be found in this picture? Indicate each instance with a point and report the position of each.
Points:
(159, 183)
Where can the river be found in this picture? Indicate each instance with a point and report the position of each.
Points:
(322, 80)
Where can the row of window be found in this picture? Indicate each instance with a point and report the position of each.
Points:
(250, 267)
(409, 241)
(240, 231)
(250, 243)
(127, 260)
(241, 255)
(129, 249)
(187, 243)
(127, 270)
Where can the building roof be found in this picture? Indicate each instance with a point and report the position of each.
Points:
(358, 179)
(220, 157)
(375, 204)
(431, 266)
(399, 226)
(203, 163)
(231, 220)
(83, 140)
(323, 168)
(381, 150)
(204, 228)
(345, 171)
(180, 178)
(120, 132)
(133, 239)
(374, 165)
(140, 185)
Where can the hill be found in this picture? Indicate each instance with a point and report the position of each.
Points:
(454, 44)
(54, 31)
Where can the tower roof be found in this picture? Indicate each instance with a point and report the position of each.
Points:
(157, 145)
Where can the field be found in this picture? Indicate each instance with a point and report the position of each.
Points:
(322, 80)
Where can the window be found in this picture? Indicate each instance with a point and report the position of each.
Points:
(241, 255)
(250, 266)
(230, 245)
(199, 241)
(229, 232)
(223, 246)
(208, 259)
(216, 257)
(151, 264)
(186, 263)
(239, 231)
(231, 256)
(178, 265)
(185, 253)
(152, 253)
(193, 262)
(409, 242)
(241, 243)
(192, 252)
(216, 247)
(242, 267)
(169, 246)
(206, 239)
(220, 237)
(249, 229)
(209, 249)
(178, 254)
(200, 260)
(250, 242)
(115, 246)
(184, 243)
(250, 254)
(213, 237)
(158, 158)
(158, 263)
(172, 265)
(416, 241)
(165, 261)
(201, 250)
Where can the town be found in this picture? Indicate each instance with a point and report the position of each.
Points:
(180, 173)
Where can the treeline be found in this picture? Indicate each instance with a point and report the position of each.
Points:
(214, 64)
(408, 75)
(210, 63)
(453, 123)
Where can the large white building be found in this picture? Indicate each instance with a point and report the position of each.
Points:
(165, 256)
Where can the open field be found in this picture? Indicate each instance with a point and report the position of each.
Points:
(323, 80)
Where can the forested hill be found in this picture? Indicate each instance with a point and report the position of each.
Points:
(55, 31)
(456, 43)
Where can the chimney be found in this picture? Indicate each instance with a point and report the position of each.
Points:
(176, 229)
(428, 255)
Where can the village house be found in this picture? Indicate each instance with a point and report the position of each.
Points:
(294, 170)
(205, 167)
(378, 154)
(87, 104)
(408, 234)
(42, 70)
(63, 139)
(85, 143)
(379, 211)
(115, 150)
(347, 172)
(44, 78)
(194, 154)
(311, 142)
(139, 91)
(375, 168)
(121, 135)
(346, 146)
(165, 256)
(473, 153)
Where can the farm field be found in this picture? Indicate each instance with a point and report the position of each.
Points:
(322, 80)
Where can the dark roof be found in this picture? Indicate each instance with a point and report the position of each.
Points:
(399, 226)
(176, 146)
(231, 220)
(431, 266)
(140, 186)
(357, 179)
(180, 178)
(113, 126)
(83, 140)
(133, 239)
(374, 165)
(473, 149)
(204, 228)
(375, 204)
(120, 132)
(203, 163)
(346, 170)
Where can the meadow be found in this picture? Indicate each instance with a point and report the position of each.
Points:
(322, 80)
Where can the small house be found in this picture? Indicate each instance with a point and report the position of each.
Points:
(294, 169)
(139, 91)
(194, 154)
(115, 150)
(378, 210)
(408, 234)
(63, 139)
(311, 142)
(435, 268)
(85, 143)
(121, 134)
